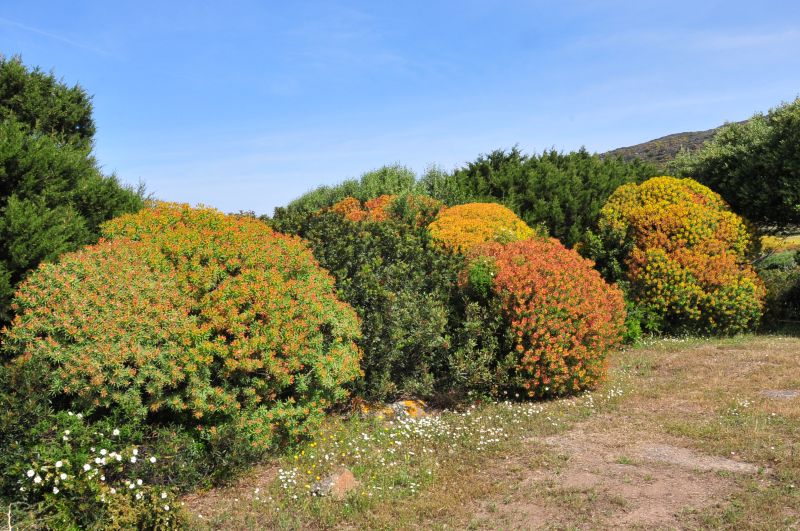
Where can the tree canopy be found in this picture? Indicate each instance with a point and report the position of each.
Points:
(755, 167)
(53, 196)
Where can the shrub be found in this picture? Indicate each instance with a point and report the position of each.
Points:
(681, 252)
(780, 273)
(87, 476)
(403, 286)
(387, 180)
(186, 324)
(561, 317)
(464, 226)
(419, 210)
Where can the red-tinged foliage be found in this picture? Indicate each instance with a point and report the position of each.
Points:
(563, 317)
(212, 320)
(417, 210)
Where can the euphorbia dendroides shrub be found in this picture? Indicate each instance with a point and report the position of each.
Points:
(464, 226)
(417, 210)
(211, 323)
(561, 318)
(682, 254)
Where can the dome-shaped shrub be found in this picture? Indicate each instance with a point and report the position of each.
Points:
(682, 251)
(562, 316)
(192, 317)
(463, 226)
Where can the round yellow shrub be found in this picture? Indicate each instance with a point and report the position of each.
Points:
(685, 256)
(464, 226)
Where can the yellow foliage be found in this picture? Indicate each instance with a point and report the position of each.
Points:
(463, 227)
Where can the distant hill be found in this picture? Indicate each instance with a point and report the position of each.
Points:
(662, 150)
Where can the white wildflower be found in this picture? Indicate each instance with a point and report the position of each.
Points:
(31, 473)
(59, 464)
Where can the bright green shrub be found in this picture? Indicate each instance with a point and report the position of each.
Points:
(404, 288)
(560, 317)
(187, 325)
(681, 252)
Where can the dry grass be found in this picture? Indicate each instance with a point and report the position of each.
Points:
(682, 436)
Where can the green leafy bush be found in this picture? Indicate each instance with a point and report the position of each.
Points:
(755, 167)
(403, 286)
(781, 276)
(53, 196)
(388, 180)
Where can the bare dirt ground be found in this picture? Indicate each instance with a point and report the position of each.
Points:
(661, 461)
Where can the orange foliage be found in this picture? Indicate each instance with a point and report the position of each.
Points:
(564, 318)
(416, 209)
(208, 316)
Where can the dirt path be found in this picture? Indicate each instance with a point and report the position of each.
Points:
(635, 468)
(608, 475)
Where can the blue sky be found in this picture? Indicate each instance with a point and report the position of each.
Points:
(244, 105)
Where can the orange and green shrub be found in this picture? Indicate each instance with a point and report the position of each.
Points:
(464, 226)
(683, 254)
(418, 210)
(561, 316)
(212, 325)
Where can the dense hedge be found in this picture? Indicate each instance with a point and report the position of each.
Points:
(561, 191)
(464, 226)
(404, 288)
(682, 253)
(560, 316)
(212, 330)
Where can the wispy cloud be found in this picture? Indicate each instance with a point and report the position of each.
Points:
(694, 41)
(54, 36)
